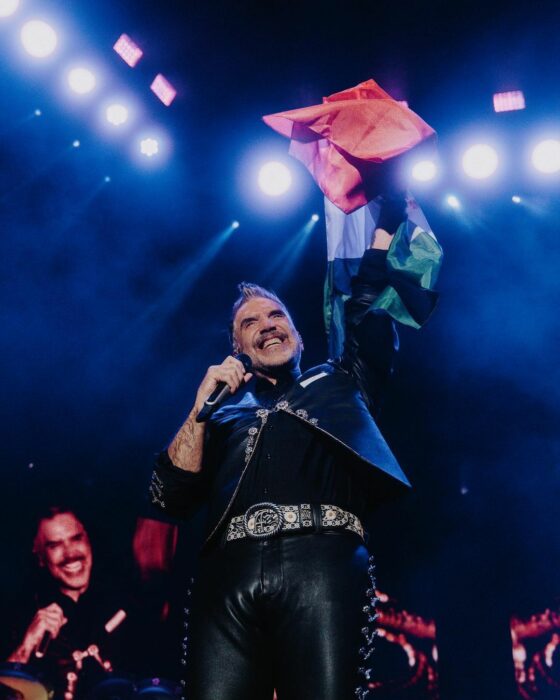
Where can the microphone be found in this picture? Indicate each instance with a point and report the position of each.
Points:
(221, 391)
(43, 645)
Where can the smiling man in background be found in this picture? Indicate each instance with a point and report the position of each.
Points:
(70, 610)
(63, 549)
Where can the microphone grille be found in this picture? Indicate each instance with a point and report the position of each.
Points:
(245, 361)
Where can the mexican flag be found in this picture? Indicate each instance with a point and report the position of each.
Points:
(413, 263)
(352, 145)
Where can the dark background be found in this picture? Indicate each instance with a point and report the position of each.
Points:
(112, 307)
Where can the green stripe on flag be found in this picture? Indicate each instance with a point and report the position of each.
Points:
(413, 264)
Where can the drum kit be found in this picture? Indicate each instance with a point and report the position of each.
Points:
(22, 682)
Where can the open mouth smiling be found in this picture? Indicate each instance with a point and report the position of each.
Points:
(271, 341)
(73, 567)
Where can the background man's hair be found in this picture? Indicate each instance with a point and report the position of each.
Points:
(248, 290)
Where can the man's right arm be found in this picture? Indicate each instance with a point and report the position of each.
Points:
(46, 620)
(186, 448)
(178, 481)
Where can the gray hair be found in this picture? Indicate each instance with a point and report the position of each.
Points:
(247, 291)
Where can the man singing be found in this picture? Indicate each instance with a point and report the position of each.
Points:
(284, 595)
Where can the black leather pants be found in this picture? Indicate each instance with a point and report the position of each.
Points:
(288, 612)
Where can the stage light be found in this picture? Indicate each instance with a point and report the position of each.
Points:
(149, 147)
(130, 52)
(424, 171)
(315, 218)
(509, 101)
(480, 161)
(453, 201)
(116, 114)
(38, 38)
(274, 179)
(546, 156)
(37, 112)
(235, 224)
(162, 88)
(76, 143)
(8, 7)
(516, 199)
(81, 80)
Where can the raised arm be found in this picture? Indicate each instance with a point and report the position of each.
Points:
(371, 339)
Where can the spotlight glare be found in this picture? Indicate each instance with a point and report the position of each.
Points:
(81, 80)
(76, 144)
(107, 178)
(546, 156)
(424, 171)
(38, 38)
(315, 218)
(516, 199)
(235, 224)
(453, 201)
(274, 179)
(149, 147)
(37, 112)
(116, 114)
(8, 7)
(480, 161)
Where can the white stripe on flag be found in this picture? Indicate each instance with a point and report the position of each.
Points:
(349, 235)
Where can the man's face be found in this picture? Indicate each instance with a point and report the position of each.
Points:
(263, 330)
(64, 549)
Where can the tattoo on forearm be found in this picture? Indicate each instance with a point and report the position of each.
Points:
(185, 450)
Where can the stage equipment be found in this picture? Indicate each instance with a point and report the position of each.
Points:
(22, 678)
(116, 114)
(163, 90)
(8, 7)
(453, 201)
(274, 179)
(424, 170)
(480, 161)
(149, 147)
(129, 51)
(81, 80)
(158, 688)
(509, 101)
(38, 38)
(546, 156)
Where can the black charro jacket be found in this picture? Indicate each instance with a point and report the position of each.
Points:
(338, 398)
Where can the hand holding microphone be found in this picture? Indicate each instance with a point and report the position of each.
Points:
(220, 382)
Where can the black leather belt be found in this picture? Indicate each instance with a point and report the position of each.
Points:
(268, 519)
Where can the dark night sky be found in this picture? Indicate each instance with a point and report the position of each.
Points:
(109, 318)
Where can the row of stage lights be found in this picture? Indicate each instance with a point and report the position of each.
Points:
(40, 40)
(481, 161)
(275, 179)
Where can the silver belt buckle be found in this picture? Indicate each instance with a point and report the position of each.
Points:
(262, 520)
